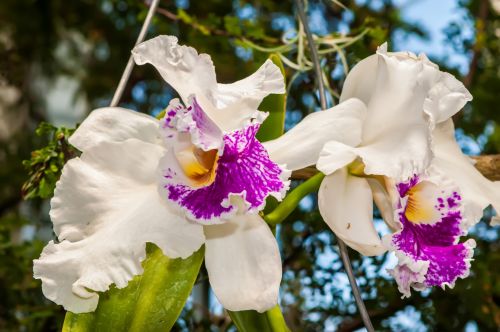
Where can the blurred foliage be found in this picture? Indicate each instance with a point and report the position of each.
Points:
(86, 43)
(45, 166)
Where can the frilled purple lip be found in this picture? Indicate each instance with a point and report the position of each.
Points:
(243, 169)
(430, 254)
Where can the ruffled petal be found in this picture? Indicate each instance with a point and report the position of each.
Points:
(193, 120)
(477, 191)
(231, 106)
(114, 124)
(106, 207)
(446, 97)
(405, 95)
(426, 243)
(236, 103)
(409, 273)
(244, 169)
(250, 91)
(443, 95)
(301, 145)
(345, 203)
(188, 72)
(243, 263)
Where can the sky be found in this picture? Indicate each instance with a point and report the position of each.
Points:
(435, 15)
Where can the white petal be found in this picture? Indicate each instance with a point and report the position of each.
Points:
(478, 192)
(251, 90)
(387, 74)
(301, 145)
(405, 97)
(334, 156)
(180, 66)
(383, 200)
(236, 103)
(446, 97)
(230, 106)
(398, 154)
(106, 207)
(345, 203)
(361, 80)
(114, 124)
(243, 263)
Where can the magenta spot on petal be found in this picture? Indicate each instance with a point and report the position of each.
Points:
(243, 167)
(436, 243)
(452, 203)
(403, 187)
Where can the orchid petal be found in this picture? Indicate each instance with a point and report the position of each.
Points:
(345, 203)
(230, 106)
(383, 201)
(237, 102)
(477, 191)
(188, 72)
(438, 93)
(204, 133)
(106, 207)
(397, 154)
(268, 79)
(243, 263)
(405, 96)
(114, 124)
(301, 145)
(427, 246)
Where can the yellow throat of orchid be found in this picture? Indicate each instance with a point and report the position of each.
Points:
(198, 165)
(420, 206)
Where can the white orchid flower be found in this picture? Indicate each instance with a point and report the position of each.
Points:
(433, 210)
(396, 99)
(403, 104)
(198, 176)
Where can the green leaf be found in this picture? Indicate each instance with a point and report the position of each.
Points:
(274, 125)
(252, 321)
(151, 302)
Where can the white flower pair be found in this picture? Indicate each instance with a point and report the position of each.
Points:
(395, 145)
(199, 176)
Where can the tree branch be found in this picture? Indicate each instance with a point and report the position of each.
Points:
(210, 29)
(488, 165)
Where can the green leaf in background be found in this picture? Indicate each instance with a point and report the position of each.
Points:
(151, 302)
(275, 105)
(274, 126)
(252, 321)
(45, 165)
(271, 320)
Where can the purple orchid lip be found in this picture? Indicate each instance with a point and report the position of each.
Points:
(429, 251)
(203, 175)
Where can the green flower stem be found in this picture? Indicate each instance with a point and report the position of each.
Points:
(291, 201)
(252, 321)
